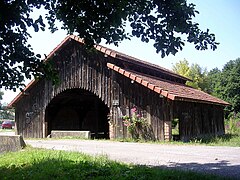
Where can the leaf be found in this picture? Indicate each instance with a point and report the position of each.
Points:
(38, 55)
(161, 21)
(35, 26)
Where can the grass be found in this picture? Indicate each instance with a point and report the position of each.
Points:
(223, 140)
(6, 130)
(49, 164)
(231, 140)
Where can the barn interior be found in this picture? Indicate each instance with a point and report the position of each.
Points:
(80, 110)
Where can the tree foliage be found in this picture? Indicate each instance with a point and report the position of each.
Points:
(1, 97)
(17, 57)
(182, 68)
(214, 77)
(197, 74)
(158, 20)
(5, 112)
(199, 77)
(226, 84)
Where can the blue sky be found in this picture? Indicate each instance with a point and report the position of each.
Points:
(220, 16)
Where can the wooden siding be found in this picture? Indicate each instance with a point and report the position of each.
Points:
(85, 70)
(198, 120)
(88, 71)
(130, 94)
(77, 70)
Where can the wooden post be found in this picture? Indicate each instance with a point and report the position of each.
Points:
(148, 115)
(168, 114)
(167, 130)
(45, 124)
(44, 129)
(111, 126)
(96, 118)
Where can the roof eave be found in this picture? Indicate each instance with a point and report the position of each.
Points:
(159, 90)
(133, 60)
(22, 93)
(201, 101)
(51, 54)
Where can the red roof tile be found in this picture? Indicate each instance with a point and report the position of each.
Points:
(144, 80)
(171, 90)
(124, 57)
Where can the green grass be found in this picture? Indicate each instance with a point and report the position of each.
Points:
(49, 164)
(224, 140)
(6, 130)
(231, 140)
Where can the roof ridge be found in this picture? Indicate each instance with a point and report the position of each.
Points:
(114, 54)
(159, 78)
(125, 57)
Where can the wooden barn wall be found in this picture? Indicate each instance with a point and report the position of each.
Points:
(87, 70)
(198, 119)
(150, 105)
(29, 113)
(79, 69)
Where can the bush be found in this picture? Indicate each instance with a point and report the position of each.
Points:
(232, 124)
(138, 126)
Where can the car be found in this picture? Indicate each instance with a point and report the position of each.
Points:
(7, 125)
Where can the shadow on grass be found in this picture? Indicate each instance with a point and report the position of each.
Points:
(85, 167)
(57, 168)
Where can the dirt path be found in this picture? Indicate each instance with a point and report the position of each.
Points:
(223, 161)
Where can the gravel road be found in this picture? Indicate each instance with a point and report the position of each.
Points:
(224, 161)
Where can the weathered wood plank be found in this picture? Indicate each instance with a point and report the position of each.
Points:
(83, 70)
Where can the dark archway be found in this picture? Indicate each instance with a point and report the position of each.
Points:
(78, 109)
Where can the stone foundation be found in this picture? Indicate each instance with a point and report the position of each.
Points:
(11, 143)
(79, 134)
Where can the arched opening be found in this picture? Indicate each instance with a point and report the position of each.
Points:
(78, 109)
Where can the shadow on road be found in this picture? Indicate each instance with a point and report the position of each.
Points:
(221, 168)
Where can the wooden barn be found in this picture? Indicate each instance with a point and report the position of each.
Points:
(98, 87)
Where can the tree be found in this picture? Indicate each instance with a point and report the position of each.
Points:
(225, 84)
(5, 112)
(214, 77)
(199, 77)
(158, 20)
(195, 73)
(182, 68)
(1, 94)
(229, 87)
(1, 97)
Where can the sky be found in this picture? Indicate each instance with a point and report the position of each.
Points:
(222, 17)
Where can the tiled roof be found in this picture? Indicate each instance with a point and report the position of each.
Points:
(124, 57)
(118, 55)
(171, 90)
(165, 88)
